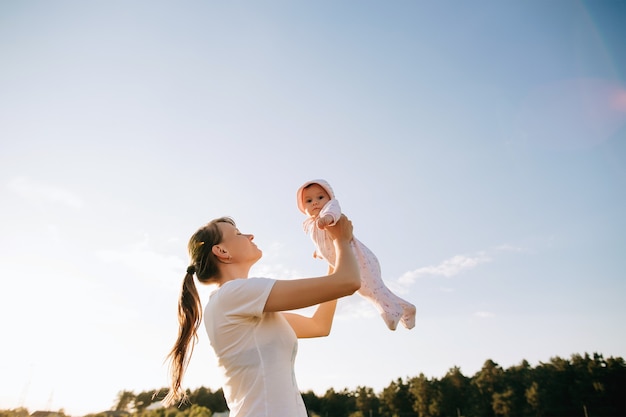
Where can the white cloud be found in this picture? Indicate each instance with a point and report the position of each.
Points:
(509, 248)
(484, 314)
(448, 268)
(32, 190)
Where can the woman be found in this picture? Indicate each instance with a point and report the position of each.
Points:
(254, 340)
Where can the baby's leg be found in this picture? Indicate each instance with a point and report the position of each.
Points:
(373, 288)
(408, 312)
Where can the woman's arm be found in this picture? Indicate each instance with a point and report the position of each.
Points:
(319, 324)
(305, 292)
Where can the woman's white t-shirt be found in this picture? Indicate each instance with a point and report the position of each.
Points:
(256, 351)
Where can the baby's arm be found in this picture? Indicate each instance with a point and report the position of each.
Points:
(329, 214)
(327, 220)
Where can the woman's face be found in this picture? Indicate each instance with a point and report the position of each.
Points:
(239, 246)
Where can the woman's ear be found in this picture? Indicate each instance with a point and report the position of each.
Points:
(220, 252)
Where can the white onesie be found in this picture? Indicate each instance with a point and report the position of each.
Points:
(392, 308)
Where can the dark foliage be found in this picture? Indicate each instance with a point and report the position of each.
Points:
(584, 385)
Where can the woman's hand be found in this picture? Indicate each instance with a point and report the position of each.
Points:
(342, 230)
(344, 280)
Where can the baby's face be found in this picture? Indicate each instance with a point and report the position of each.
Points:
(314, 198)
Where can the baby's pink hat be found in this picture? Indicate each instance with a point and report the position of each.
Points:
(322, 183)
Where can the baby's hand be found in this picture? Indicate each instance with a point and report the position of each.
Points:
(342, 230)
(322, 222)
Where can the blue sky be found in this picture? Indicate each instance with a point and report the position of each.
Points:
(479, 148)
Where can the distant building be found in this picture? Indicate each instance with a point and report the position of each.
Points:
(111, 413)
(155, 406)
(46, 414)
(108, 413)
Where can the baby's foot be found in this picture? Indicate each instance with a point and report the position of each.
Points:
(408, 315)
(392, 315)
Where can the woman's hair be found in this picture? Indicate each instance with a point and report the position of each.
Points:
(204, 264)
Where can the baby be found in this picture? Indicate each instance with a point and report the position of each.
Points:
(317, 200)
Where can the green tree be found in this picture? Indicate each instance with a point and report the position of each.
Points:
(502, 403)
(421, 392)
(518, 379)
(16, 412)
(533, 398)
(198, 411)
(555, 379)
(367, 402)
(145, 398)
(125, 401)
(436, 399)
(592, 387)
(454, 387)
(337, 404)
(214, 401)
(587, 384)
(312, 402)
(397, 400)
(615, 386)
(557, 388)
(160, 412)
(487, 381)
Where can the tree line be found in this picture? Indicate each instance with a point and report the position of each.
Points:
(584, 385)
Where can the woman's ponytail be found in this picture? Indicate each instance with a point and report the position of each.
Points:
(204, 265)
(189, 319)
